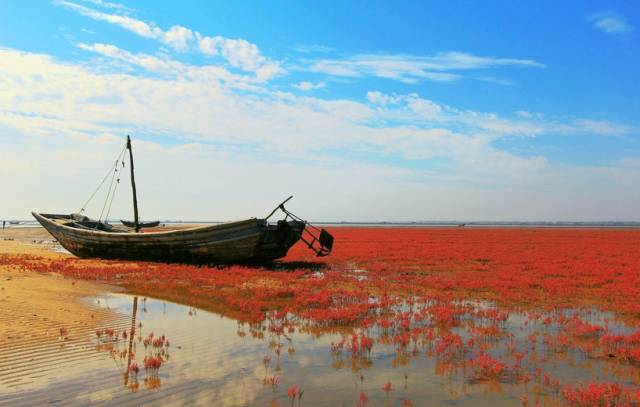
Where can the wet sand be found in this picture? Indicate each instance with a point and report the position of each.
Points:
(34, 241)
(36, 306)
(41, 313)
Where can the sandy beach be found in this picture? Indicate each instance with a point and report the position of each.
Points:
(41, 311)
(36, 307)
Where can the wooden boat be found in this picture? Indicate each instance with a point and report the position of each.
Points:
(132, 224)
(250, 240)
(243, 241)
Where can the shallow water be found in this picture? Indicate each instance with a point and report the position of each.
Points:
(213, 360)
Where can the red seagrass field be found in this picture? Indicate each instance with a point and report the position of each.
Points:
(396, 316)
(320, 203)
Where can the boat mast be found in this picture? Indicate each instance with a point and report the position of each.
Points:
(131, 335)
(133, 185)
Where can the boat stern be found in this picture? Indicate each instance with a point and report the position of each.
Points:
(278, 238)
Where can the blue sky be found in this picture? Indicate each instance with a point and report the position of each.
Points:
(366, 110)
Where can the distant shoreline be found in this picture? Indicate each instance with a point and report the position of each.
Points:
(452, 224)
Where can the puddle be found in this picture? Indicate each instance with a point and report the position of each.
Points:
(190, 356)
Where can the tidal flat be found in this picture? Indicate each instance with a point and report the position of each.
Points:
(395, 316)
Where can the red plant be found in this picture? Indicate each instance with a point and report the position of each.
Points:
(487, 367)
(448, 293)
(133, 368)
(362, 400)
(598, 394)
(153, 363)
(387, 386)
(274, 380)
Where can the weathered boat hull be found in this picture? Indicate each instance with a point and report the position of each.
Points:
(251, 240)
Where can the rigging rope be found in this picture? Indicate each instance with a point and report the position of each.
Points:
(114, 192)
(103, 180)
(109, 192)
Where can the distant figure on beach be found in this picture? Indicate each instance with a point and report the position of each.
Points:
(3, 222)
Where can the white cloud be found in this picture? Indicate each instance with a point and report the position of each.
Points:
(411, 108)
(601, 127)
(148, 62)
(207, 75)
(178, 37)
(309, 86)
(244, 55)
(610, 23)
(493, 79)
(80, 114)
(525, 114)
(461, 60)
(335, 68)
(109, 5)
(239, 53)
(425, 108)
(146, 30)
(378, 98)
(268, 71)
(313, 48)
(418, 109)
(412, 68)
(208, 45)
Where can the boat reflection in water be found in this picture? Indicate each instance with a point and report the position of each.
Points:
(135, 352)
